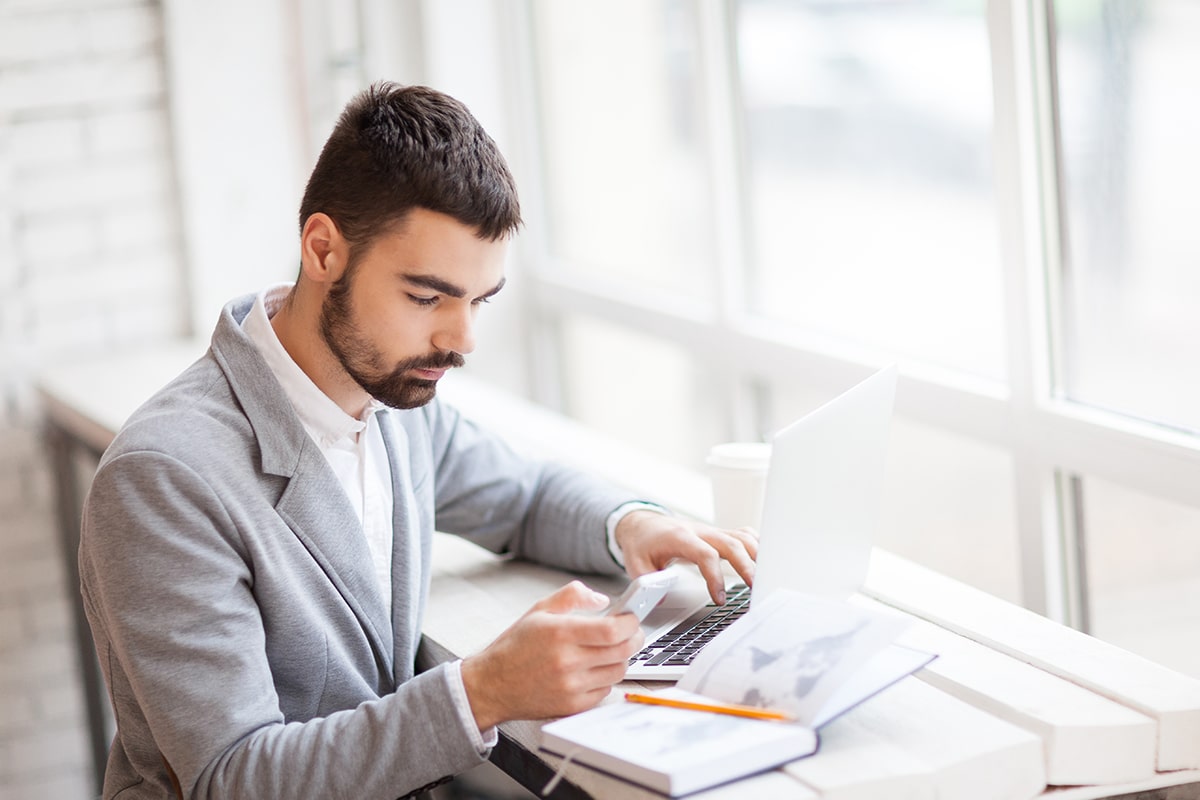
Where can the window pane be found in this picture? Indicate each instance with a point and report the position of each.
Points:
(622, 148)
(1143, 561)
(948, 501)
(641, 390)
(868, 136)
(949, 504)
(1129, 76)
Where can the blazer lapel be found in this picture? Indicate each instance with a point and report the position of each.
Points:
(314, 505)
(410, 552)
(316, 508)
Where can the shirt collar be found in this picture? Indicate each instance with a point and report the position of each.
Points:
(323, 418)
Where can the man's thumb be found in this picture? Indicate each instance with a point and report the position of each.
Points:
(572, 597)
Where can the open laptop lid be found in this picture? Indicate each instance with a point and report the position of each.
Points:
(823, 493)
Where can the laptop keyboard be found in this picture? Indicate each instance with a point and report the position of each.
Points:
(678, 646)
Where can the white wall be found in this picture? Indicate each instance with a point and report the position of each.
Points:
(90, 262)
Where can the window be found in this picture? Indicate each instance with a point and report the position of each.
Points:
(1130, 167)
(1125, 162)
(624, 171)
(868, 162)
(1143, 554)
(833, 203)
(736, 209)
(660, 404)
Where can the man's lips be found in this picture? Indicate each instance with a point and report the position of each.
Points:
(430, 374)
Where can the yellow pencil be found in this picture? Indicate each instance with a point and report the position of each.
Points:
(722, 708)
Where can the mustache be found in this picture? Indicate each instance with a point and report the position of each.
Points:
(448, 360)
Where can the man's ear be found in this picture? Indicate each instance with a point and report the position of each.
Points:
(323, 250)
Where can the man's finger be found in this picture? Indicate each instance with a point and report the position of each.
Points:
(749, 538)
(601, 632)
(737, 551)
(572, 597)
(616, 654)
(708, 560)
(638, 565)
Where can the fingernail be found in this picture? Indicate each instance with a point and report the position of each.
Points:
(721, 598)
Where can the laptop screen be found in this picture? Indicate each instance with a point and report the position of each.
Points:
(823, 494)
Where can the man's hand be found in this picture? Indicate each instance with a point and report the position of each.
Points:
(649, 540)
(551, 662)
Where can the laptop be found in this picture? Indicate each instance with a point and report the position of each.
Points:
(820, 511)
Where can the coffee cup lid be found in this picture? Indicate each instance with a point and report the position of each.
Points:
(740, 455)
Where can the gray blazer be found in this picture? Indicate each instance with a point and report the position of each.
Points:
(229, 587)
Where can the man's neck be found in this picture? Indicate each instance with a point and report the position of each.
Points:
(297, 324)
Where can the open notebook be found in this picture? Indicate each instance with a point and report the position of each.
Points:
(820, 512)
(802, 659)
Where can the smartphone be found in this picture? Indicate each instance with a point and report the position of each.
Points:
(643, 593)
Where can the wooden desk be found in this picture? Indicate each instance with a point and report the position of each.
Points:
(1052, 682)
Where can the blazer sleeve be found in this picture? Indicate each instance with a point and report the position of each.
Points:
(505, 502)
(169, 591)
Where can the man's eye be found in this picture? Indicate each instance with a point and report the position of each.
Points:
(481, 300)
(423, 301)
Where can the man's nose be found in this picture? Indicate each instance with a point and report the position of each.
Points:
(457, 333)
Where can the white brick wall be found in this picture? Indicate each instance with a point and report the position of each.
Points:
(90, 261)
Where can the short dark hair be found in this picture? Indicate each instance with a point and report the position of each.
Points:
(395, 148)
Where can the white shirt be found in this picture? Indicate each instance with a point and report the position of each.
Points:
(356, 453)
(353, 447)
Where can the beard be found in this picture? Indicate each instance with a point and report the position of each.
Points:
(363, 361)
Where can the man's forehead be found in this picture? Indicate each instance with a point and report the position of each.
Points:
(434, 265)
(434, 235)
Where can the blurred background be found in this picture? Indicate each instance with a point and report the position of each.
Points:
(734, 210)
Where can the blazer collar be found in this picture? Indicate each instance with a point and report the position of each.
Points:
(279, 432)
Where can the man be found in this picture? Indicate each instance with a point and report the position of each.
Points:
(256, 543)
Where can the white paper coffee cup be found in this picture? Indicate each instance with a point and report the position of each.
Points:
(738, 471)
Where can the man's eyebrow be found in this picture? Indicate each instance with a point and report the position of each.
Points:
(491, 292)
(437, 284)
